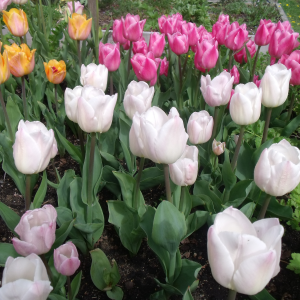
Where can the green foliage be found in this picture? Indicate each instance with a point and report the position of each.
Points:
(294, 264)
(294, 202)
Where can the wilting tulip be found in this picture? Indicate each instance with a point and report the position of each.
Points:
(95, 110)
(185, 170)
(179, 43)
(235, 73)
(140, 46)
(34, 146)
(66, 259)
(277, 171)
(236, 36)
(218, 147)
(164, 67)
(20, 60)
(256, 80)
(118, 32)
(264, 32)
(4, 4)
(275, 85)
(292, 62)
(157, 44)
(25, 278)
(55, 71)
(79, 27)
(36, 230)
(16, 21)
(138, 98)
(257, 249)
(94, 75)
(4, 66)
(20, 1)
(133, 27)
(109, 55)
(156, 136)
(206, 55)
(217, 92)
(71, 101)
(245, 104)
(219, 29)
(241, 56)
(78, 7)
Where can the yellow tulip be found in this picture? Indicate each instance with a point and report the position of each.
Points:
(16, 21)
(4, 68)
(79, 27)
(55, 71)
(20, 59)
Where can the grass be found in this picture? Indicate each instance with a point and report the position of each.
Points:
(292, 10)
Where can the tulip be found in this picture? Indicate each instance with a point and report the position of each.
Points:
(156, 136)
(236, 36)
(144, 66)
(71, 101)
(292, 62)
(204, 35)
(219, 29)
(167, 24)
(190, 30)
(118, 33)
(200, 127)
(66, 259)
(264, 32)
(235, 73)
(277, 171)
(185, 170)
(133, 27)
(21, 60)
(4, 4)
(286, 26)
(25, 278)
(78, 7)
(138, 98)
(206, 55)
(79, 27)
(94, 75)
(217, 92)
(241, 56)
(256, 80)
(164, 66)
(4, 66)
(218, 147)
(140, 46)
(231, 94)
(179, 43)
(19, 1)
(16, 21)
(36, 230)
(244, 256)
(275, 85)
(109, 55)
(55, 71)
(245, 104)
(95, 110)
(157, 44)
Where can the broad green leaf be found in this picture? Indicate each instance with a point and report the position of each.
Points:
(7, 250)
(41, 193)
(75, 285)
(63, 190)
(228, 175)
(89, 228)
(187, 295)
(10, 218)
(115, 293)
(14, 114)
(263, 295)
(245, 165)
(239, 193)
(62, 233)
(151, 177)
(291, 127)
(248, 209)
(76, 203)
(110, 160)
(195, 220)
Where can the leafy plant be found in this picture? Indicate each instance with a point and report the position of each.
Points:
(294, 264)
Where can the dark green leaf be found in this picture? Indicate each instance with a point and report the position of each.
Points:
(291, 127)
(245, 165)
(10, 218)
(6, 250)
(115, 293)
(75, 285)
(228, 175)
(263, 295)
(239, 193)
(41, 193)
(63, 189)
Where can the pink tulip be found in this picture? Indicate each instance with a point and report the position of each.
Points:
(4, 4)
(285, 26)
(273, 61)
(140, 46)
(179, 43)
(190, 30)
(235, 73)
(144, 66)
(241, 56)
(232, 93)
(256, 80)
(170, 24)
(293, 62)
(78, 7)
(264, 32)
(164, 67)
(236, 36)
(204, 35)
(109, 55)
(118, 33)
(219, 29)
(157, 44)
(66, 259)
(133, 27)
(207, 55)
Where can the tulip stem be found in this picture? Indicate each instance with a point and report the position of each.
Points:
(185, 62)
(28, 192)
(180, 104)
(254, 64)
(232, 294)
(47, 266)
(268, 118)
(6, 116)
(56, 102)
(37, 7)
(167, 183)
(230, 60)
(68, 277)
(216, 113)
(111, 84)
(129, 57)
(291, 107)
(79, 53)
(182, 192)
(137, 183)
(220, 59)
(96, 30)
(54, 169)
(43, 19)
(237, 148)
(264, 207)
(25, 108)
(73, 6)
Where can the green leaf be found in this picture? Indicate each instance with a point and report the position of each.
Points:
(56, 297)
(62, 233)
(245, 165)
(195, 220)
(115, 293)
(110, 160)
(10, 218)
(257, 152)
(6, 250)
(111, 182)
(244, 75)
(263, 295)
(89, 227)
(187, 295)
(294, 264)
(76, 203)
(63, 189)
(248, 209)
(41, 193)
(160, 295)
(75, 285)
(151, 177)
(14, 114)
(228, 175)
(239, 193)
(291, 127)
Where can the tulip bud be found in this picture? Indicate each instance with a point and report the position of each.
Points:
(78, 7)
(204, 35)
(164, 67)
(4, 66)
(16, 21)
(292, 62)
(95, 110)
(185, 170)
(200, 127)
(36, 230)
(219, 29)
(34, 146)
(140, 46)
(264, 32)
(66, 259)
(218, 147)
(217, 92)
(235, 73)
(79, 27)
(71, 101)
(190, 30)
(257, 247)
(179, 43)
(157, 44)
(118, 33)
(206, 55)
(241, 56)
(25, 278)
(156, 136)
(275, 85)
(55, 71)
(167, 24)
(236, 36)
(4, 4)
(256, 80)
(94, 75)
(133, 27)
(277, 171)
(138, 98)
(109, 55)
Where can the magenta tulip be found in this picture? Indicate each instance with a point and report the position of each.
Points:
(236, 36)
(140, 46)
(292, 62)
(241, 56)
(167, 24)
(264, 32)
(118, 33)
(109, 55)
(235, 73)
(157, 44)
(179, 43)
(256, 80)
(164, 67)
(206, 55)
(219, 29)
(133, 27)
(204, 35)
(285, 26)
(190, 30)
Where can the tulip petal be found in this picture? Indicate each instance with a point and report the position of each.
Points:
(262, 171)
(24, 248)
(69, 266)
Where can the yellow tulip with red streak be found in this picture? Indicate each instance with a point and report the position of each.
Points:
(55, 71)
(20, 59)
(79, 27)
(4, 68)
(16, 21)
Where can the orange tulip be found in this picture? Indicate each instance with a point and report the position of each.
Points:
(79, 27)
(20, 60)
(55, 71)
(4, 68)
(16, 21)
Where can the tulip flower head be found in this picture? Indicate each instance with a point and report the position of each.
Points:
(241, 56)
(25, 278)
(109, 55)
(218, 147)
(219, 29)
(20, 59)
(191, 31)
(277, 171)
(244, 256)
(206, 55)
(79, 27)
(236, 36)
(78, 7)
(140, 46)
(157, 44)
(71, 101)
(94, 75)
(118, 33)
(4, 4)
(168, 24)
(55, 71)
(16, 21)
(133, 27)
(4, 66)
(36, 230)
(164, 66)
(292, 62)
(235, 73)
(179, 43)
(256, 80)
(264, 32)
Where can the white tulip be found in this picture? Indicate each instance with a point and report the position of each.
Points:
(218, 147)
(71, 101)
(94, 75)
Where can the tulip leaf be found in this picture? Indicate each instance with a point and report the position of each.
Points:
(244, 75)
(228, 175)
(257, 153)
(76, 203)
(41, 193)
(56, 297)
(160, 295)
(187, 295)
(115, 293)
(89, 227)
(10, 218)
(110, 160)
(195, 220)
(263, 295)
(151, 177)
(62, 233)
(63, 189)
(248, 209)
(245, 165)
(291, 127)
(75, 285)
(239, 193)
(170, 289)
(57, 280)
(111, 182)
(6, 250)
(14, 114)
